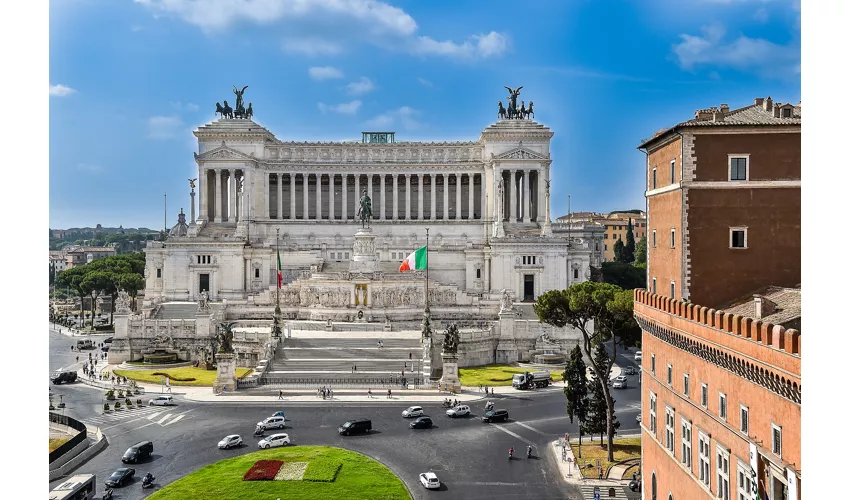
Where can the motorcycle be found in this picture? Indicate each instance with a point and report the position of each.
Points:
(528, 452)
(147, 482)
(511, 454)
(259, 430)
(107, 494)
(489, 406)
(447, 404)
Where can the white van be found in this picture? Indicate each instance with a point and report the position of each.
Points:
(161, 401)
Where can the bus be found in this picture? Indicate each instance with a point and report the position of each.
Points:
(79, 487)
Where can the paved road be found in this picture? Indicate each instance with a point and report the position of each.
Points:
(468, 455)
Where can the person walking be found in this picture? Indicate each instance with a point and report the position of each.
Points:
(389, 393)
(410, 355)
(355, 368)
(280, 394)
(370, 393)
(78, 359)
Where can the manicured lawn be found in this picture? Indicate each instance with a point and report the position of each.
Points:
(359, 477)
(203, 378)
(623, 449)
(57, 442)
(493, 375)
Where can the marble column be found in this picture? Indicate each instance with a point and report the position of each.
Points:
(231, 195)
(526, 196)
(541, 190)
(332, 197)
(217, 207)
(445, 196)
(383, 198)
(513, 180)
(202, 194)
(487, 272)
(319, 196)
(407, 197)
(471, 201)
(395, 196)
(433, 194)
(279, 178)
(306, 203)
(421, 194)
(292, 196)
(344, 196)
(356, 194)
(458, 207)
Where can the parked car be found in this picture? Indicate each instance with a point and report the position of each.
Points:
(230, 441)
(273, 423)
(413, 411)
(161, 401)
(273, 441)
(120, 477)
(458, 411)
(60, 377)
(107, 340)
(620, 382)
(359, 425)
(495, 416)
(638, 356)
(138, 451)
(429, 480)
(422, 423)
(629, 370)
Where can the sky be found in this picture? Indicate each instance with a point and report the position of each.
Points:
(131, 80)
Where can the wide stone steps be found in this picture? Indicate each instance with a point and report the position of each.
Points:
(342, 343)
(341, 366)
(177, 310)
(396, 353)
(620, 492)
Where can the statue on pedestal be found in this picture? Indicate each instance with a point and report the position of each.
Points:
(225, 338)
(365, 210)
(204, 301)
(507, 303)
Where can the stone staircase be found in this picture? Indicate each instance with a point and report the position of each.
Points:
(312, 359)
(177, 310)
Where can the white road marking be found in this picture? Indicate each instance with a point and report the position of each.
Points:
(175, 419)
(163, 419)
(131, 430)
(154, 415)
(530, 428)
(512, 434)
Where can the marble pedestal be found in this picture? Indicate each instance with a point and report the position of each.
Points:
(365, 257)
(226, 376)
(450, 378)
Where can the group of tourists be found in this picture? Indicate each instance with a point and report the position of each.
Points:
(325, 393)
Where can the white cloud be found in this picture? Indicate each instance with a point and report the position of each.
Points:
(743, 53)
(345, 108)
(761, 15)
(328, 27)
(60, 90)
(424, 82)
(403, 116)
(361, 86)
(136, 28)
(164, 127)
(89, 167)
(324, 73)
(192, 106)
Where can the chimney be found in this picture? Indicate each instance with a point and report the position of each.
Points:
(768, 104)
(724, 108)
(759, 101)
(764, 306)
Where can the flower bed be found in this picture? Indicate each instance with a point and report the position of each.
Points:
(322, 471)
(263, 470)
(291, 471)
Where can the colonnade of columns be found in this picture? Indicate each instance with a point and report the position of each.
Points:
(523, 190)
(335, 196)
(223, 187)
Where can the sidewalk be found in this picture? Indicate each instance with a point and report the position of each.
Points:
(568, 468)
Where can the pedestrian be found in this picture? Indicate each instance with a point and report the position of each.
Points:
(370, 393)
(389, 393)
(280, 394)
(355, 368)
(318, 392)
(78, 359)
(410, 355)
(479, 387)
(377, 344)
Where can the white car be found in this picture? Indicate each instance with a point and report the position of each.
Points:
(273, 441)
(273, 423)
(620, 382)
(638, 356)
(458, 411)
(413, 411)
(161, 401)
(230, 441)
(429, 480)
(637, 419)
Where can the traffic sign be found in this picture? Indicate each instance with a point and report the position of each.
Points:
(596, 494)
(599, 462)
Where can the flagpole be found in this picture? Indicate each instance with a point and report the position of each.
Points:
(427, 268)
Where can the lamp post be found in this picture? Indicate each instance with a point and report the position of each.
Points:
(276, 320)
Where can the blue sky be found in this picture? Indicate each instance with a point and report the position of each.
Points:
(130, 80)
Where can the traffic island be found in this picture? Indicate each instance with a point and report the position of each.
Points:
(294, 473)
(188, 376)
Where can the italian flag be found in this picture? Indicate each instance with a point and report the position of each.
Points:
(416, 261)
(279, 272)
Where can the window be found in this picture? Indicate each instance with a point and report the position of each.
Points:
(652, 363)
(686, 386)
(722, 473)
(346, 253)
(653, 238)
(672, 289)
(686, 443)
(257, 273)
(786, 113)
(777, 440)
(746, 485)
(654, 177)
(704, 460)
(672, 171)
(738, 170)
(704, 396)
(606, 248)
(159, 272)
(669, 374)
(721, 410)
(606, 236)
(575, 274)
(672, 238)
(745, 420)
(478, 274)
(669, 423)
(653, 405)
(737, 237)
(654, 288)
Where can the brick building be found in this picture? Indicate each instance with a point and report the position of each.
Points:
(616, 226)
(721, 317)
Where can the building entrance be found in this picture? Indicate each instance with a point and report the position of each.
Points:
(528, 288)
(203, 283)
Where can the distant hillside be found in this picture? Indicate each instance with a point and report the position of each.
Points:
(126, 239)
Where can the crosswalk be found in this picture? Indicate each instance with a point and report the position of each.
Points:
(150, 415)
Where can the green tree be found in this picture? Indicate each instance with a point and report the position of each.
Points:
(640, 253)
(619, 251)
(72, 279)
(575, 374)
(625, 276)
(597, 410)
(131, 283)
(629, 254)
(601, 312)
(93, 284)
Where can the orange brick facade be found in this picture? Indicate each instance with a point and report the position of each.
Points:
(753, 365)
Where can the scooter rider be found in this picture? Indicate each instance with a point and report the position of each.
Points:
(260, 429)
(528, 451)
(511, 452)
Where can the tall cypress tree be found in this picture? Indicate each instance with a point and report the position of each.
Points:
(629, 254)
(620, 252)
(597, 411)
(575, 374)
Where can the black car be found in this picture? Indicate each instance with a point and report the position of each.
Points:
(422, 423)
(105, 348)
(60, 377)
(137, 452)
(495, 416)
(629, 370)
(356, 426)
(120, 477)
(107, 340)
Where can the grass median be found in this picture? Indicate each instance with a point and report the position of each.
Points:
(493, 375)
(624, 449)
(341, 475)
(57, 442)
(202, 377)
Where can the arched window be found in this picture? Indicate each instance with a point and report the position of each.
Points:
(669, 496)
(654, 488)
